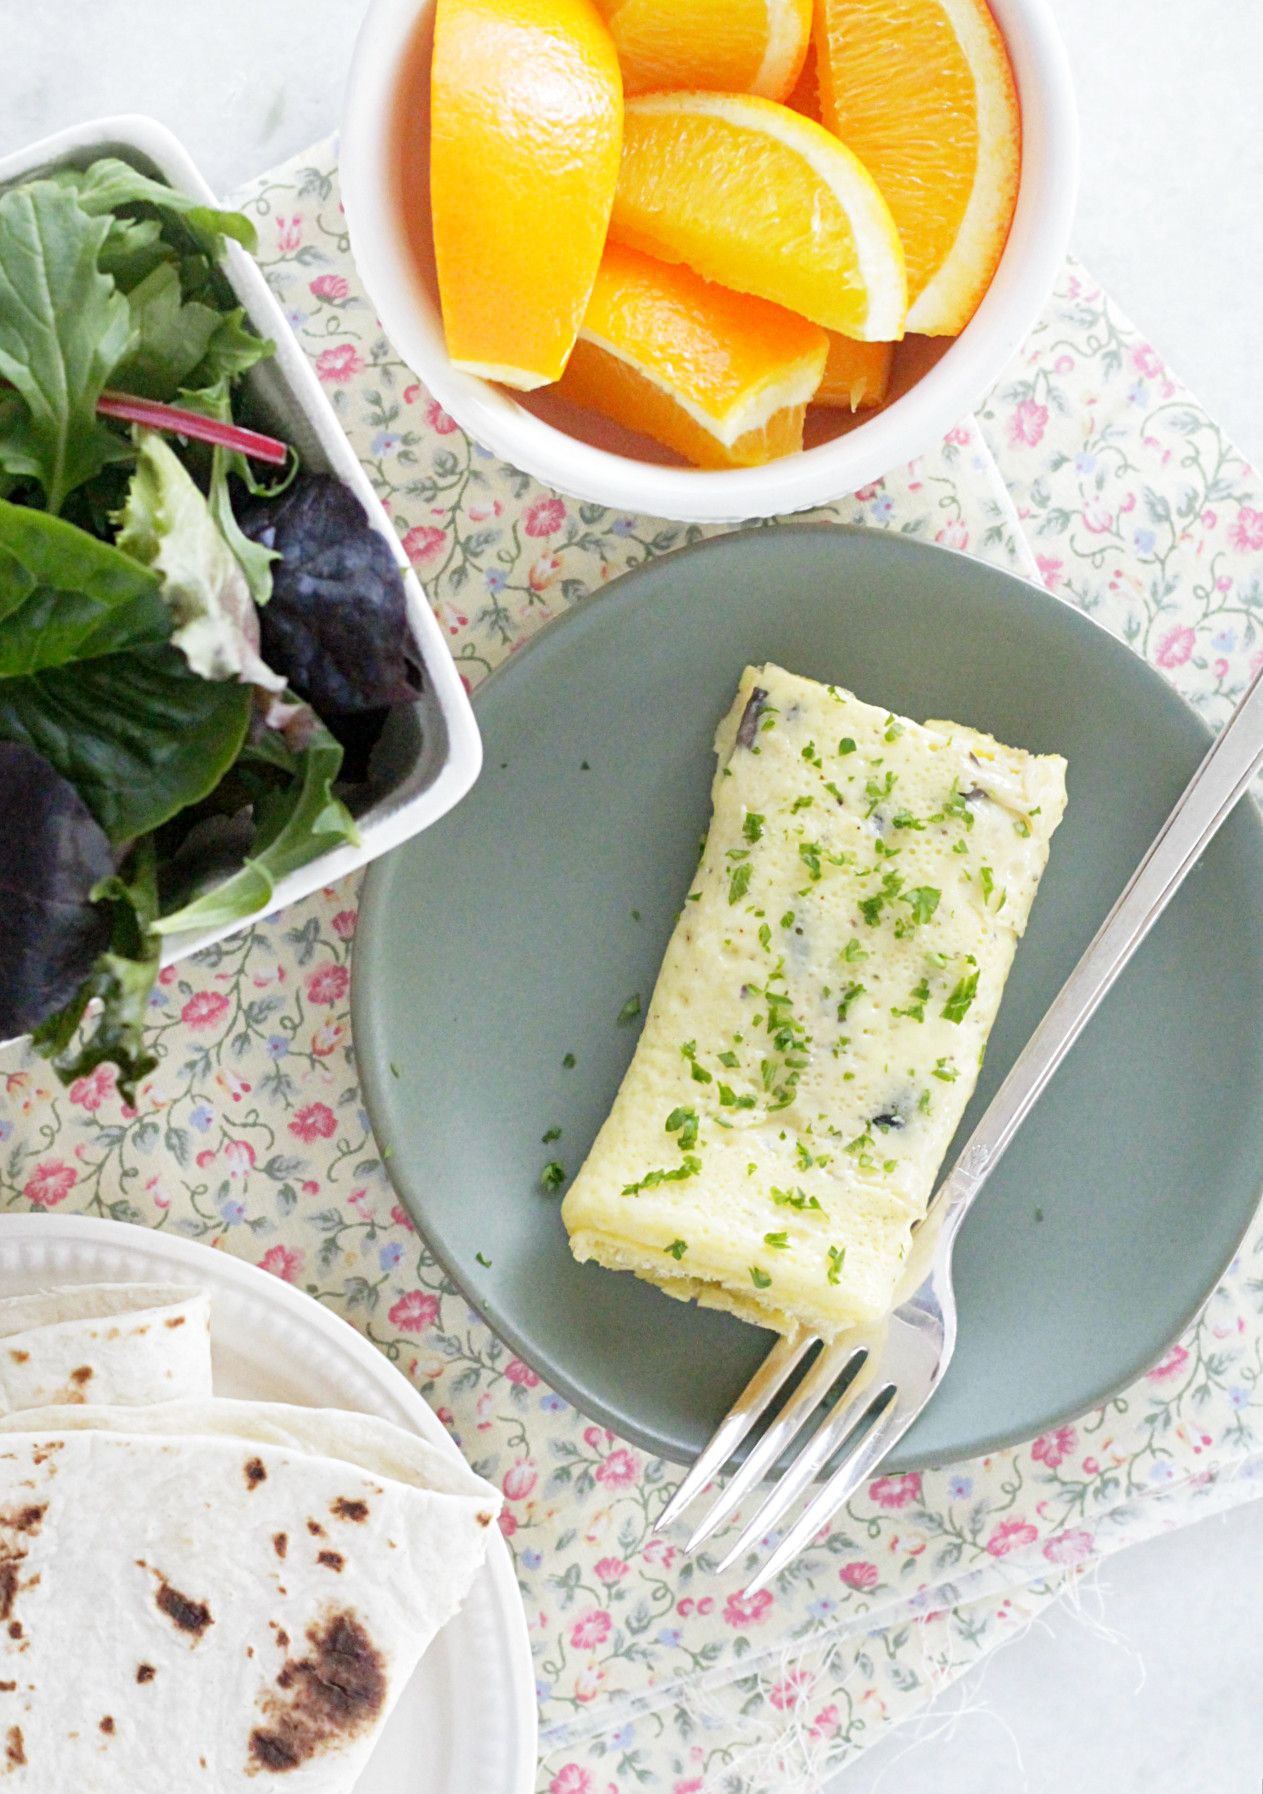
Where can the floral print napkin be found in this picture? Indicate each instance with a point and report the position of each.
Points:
(1088, 467)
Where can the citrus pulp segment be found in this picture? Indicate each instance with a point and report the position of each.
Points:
(763, 201)
(721, 377)
(526, 123)
(856, 375)
(730, 46)
(922, 91)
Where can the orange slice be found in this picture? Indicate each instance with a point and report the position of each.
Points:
(722, 378)
(856, 375)
(923, 93)
(526, 119)
(805, 96)
(764, 201)
(730, 46)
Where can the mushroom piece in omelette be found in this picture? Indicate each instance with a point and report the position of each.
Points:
(822, 1009)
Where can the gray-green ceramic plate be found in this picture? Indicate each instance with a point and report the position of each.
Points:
(510, 935)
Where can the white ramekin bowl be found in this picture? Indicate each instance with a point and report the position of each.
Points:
(389, 75)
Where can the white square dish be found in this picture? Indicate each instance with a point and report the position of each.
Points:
(430, 753)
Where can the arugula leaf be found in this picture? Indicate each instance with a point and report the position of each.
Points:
(168, 526)
(110, 183)
(122, 978)
(52, 854)
(169, 338)
(293, 827)
(63, 328)
(64, 596)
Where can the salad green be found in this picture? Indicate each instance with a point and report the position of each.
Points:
(164, 761)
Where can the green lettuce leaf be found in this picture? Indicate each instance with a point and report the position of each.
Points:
(110, 183)
(292, 827)
(64, 596)
(253, 558)
(167, 525)
(63, 328)
(89, 679)
(138, 735)
(122, 978)
(132, 249)
(231, 351)
(169, 338)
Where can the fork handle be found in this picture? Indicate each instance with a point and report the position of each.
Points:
(1209, 798)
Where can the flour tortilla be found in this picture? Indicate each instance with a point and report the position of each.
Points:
(219, 1596)
(122, 1343)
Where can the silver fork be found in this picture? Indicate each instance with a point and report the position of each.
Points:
(888, 1375)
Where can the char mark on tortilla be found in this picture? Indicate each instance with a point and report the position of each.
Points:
(332, 1560)
(190, 1616)
(107, 1725)
(280, 1543)
(83, 1375)
(14, 1749)
(350, 1510)
(145, 1672)
(327, 1698)
(255, 1473)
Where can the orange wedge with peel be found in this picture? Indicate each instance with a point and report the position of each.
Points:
(729, 46)
(763, 201)
(856, 375)
(922, 91)
(722, 378)
(526, 123)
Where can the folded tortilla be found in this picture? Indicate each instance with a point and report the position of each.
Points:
(121, 1343)
(240, 1589)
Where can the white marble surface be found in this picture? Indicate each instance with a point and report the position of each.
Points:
(1169, 221)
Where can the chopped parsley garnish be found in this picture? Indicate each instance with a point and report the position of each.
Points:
(795, 1198)
(729, 1059)
(846, 746)
(876, 793)
(729, 1100)
(947, 1073)
(760, 1278)
(916, 1008)
(787, 920)
(700, 1075)
(394, 1069)
(739, 883)
(635, 915)
(484, 1262)
(1022, 827)
(924, 1104)
(848, 997)
(988, 883)
(752, 827)
(810, 755)
(629, 1011)
(779, 1242)
(809, 854)
(569, 1062)
(955, 805)
(905, 819)
(552, 1176)
(871, 908)
(853, 951)
(894, 729)
(957, 1005)
(765, 937)
(677, 1249)
(837, 1257)
(685, 1123)
(554, 1133)
(924, 900)
(652, 1179)
(801, 803)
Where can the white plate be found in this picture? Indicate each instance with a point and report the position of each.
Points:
(466, 1722)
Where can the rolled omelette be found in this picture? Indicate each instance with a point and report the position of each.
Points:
(123, 1343)
(218, 1595)
(822, 1009)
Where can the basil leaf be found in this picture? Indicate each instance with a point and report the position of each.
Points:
(122, 978)
(52, 854)
(63, 328)
(110, 183)
(138, 735)
(293, 827)
(64, 596)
